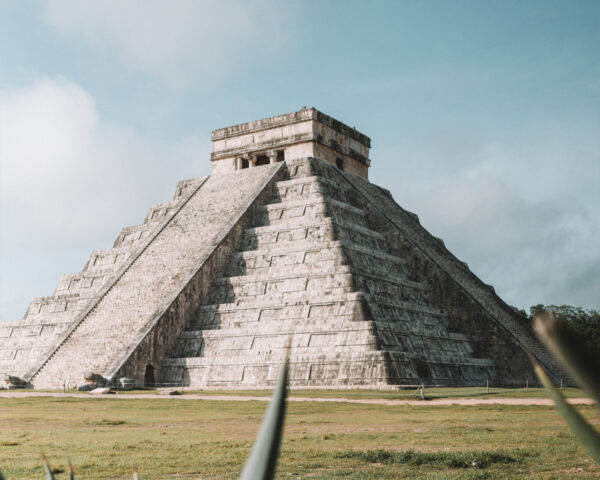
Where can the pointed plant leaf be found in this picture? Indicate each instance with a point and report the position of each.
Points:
(262, 461)
(1, 476)
(583, 431)
(71, 472)
(582, 361)
(48, 470)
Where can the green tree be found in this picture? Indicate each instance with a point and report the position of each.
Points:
(586, 322)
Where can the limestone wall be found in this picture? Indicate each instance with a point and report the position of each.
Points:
(313, 274)
(106, 332)
(494, 326)
(302, 134)
(154, 341)
(24, 344)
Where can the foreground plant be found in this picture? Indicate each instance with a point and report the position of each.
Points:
(263, 459)
(583, 363)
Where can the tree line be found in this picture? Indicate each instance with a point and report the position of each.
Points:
(584, 321)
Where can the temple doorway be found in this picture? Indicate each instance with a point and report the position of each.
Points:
(149, 376)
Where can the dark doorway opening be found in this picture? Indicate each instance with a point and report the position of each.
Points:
(262, 160)
(149, 376)
(245, 163)
(280, 156)
(339, 162)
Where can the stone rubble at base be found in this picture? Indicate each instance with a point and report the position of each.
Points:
(286, 244)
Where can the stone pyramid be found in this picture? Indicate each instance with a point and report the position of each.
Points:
(286, 244)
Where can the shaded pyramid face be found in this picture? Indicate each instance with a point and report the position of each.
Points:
(215, 286)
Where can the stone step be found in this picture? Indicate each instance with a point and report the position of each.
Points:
(313, 207)
(277, 272)
(351, 368)
(405, 315)
(394, 311)
(20, 330)
(287, 324)
(108, 260)
(346, 213)
(290, 291)
(272, 308)
(289, 190)
(301, 327)
(278, 353)
(23, 344)
(325, 230)
(132, 237)
(323, 276)
(57, 308)
(86, 284)
(275, 358)
(296, 181)
(186, 187)
(160, 211)
(392, 288)
(364, 260)
(214, 346)
(372, 261)
(302, 261)
(232, 289)
(306, 302)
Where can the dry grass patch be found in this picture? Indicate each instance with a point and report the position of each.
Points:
(195, 439)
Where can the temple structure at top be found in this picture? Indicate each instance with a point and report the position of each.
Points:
(306, 133)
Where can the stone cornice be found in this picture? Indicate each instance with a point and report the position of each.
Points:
(285, 142)
(288, 119)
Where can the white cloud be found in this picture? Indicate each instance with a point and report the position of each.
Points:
(69, 182)
(532, 248)
(184, 42)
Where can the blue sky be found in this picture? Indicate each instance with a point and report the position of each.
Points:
(484, 119)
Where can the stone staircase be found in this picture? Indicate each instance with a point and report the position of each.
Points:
(24, 344)
(312, 275)
(170, 247)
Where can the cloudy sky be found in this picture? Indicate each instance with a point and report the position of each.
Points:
(484, 119)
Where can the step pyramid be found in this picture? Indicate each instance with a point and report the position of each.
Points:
(286, 247)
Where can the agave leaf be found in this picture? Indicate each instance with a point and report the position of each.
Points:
(583, 431)
(48, 470)
(581, 361)
(1, 476)
(262, 461)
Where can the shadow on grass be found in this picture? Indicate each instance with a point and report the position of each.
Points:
(474, 459)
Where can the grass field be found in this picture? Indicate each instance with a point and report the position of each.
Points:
(404, 394)
(199, 439)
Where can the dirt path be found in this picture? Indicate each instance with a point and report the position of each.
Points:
(367, 401)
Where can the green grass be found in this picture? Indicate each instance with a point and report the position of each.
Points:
(476, 459)
(107, 437)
